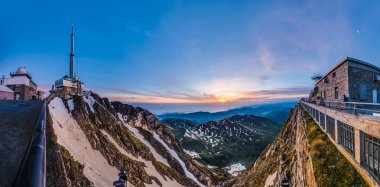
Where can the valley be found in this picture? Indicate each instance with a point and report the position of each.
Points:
(231, 143)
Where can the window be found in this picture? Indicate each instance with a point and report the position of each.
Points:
(322, 120)
(370, 153)
(336, 90)
(325, 80)
(317, 116)
(334, 74)
(330, 126)
(346, 137)
(324, 94)
(363, 91)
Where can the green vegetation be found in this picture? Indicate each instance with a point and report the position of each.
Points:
(331, 168)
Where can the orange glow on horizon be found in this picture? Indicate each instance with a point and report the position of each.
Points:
(233, 98)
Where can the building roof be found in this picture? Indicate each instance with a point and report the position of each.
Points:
(5, 89)
(351, 60)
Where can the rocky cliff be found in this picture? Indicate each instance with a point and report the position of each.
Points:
(90, 139)
(301, 155)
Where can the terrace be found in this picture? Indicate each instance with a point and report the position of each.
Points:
(354, 128)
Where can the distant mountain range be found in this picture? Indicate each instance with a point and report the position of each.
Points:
(277, 111)
(238, 139)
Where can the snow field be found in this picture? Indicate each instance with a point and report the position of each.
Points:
(149, 169)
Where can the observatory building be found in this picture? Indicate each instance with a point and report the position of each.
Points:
(19, 86)
(69, 84)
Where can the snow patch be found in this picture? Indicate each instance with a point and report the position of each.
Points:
(193, 154)
(70, 135)
(90, 101)
(235, 168)
(190, 135)
(175, 155)
(270, 179)
(212, 167)
(71, 104)
(139, 136)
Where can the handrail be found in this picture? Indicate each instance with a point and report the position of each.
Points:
(357, 103)
(350, 106)
(32, 172)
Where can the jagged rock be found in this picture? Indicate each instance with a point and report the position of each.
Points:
(285, 161)
(98, 120)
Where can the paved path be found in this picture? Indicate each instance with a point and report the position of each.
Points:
(17, 121)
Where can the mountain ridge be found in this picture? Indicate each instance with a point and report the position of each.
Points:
(238, 139)
(92, 138)
(274, 110)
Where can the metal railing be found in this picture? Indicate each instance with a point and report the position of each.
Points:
(32, 171)
(20, 73)
(350, 107)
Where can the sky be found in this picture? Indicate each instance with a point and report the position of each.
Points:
(222, 53)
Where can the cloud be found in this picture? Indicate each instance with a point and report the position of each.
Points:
(267, 59)
(232, 97)
(290, 37)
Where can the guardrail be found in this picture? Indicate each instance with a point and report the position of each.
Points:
(351, 107)
(32, 172)
(346, 133)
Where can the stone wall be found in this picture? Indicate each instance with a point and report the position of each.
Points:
(340, 80)
(25, 92)
(359, 77)
(6, 95)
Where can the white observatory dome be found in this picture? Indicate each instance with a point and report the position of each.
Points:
(21, 70)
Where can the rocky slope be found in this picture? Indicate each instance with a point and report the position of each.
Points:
(286, 161)
(236, 141)
(301, 155)
(90, 139)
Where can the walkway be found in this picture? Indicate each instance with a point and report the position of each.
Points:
(17, 121)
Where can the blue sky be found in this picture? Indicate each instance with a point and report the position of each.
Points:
(236, 52)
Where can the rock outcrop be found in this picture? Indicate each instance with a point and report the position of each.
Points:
(301, 155)
(286, 162)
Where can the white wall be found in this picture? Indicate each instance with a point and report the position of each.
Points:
(18, 80)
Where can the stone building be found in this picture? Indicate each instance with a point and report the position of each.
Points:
(22, 85)
(6, 93)
(351, 80)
